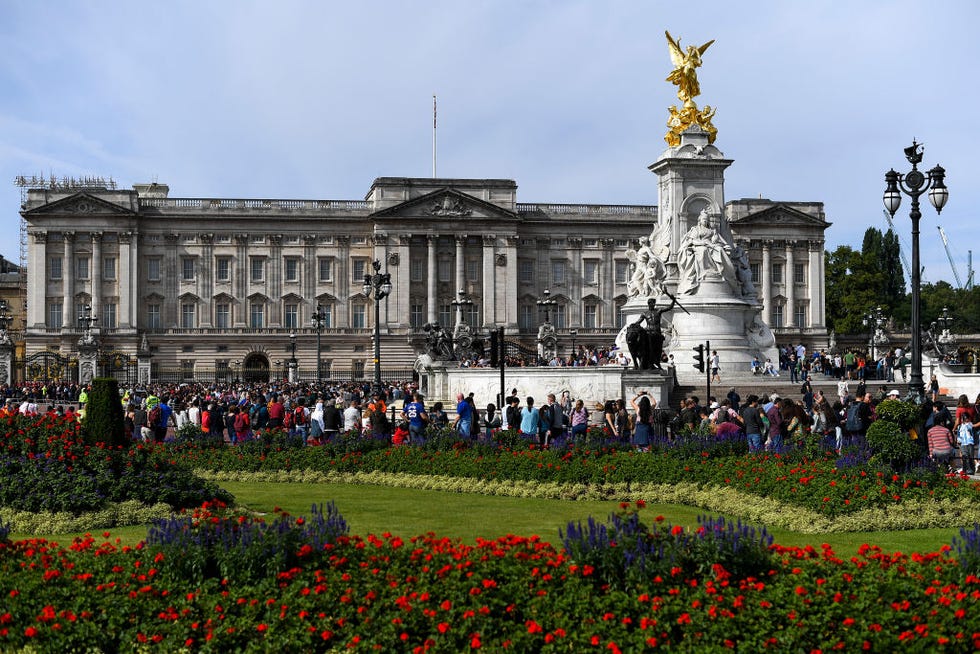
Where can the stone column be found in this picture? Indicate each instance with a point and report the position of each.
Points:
(767, 282)
(343, 281)
(815, 285)
(205, 280)
(460, 267)
(125, 282)
(96, 274)
(789, 275)
(68, 312)
(400, 266)
(430, 291)
(489, 310)
(171, 284)
(607, 276)
(274, 283)
(241, 280)
(509, 295)
(575, 282)
(37, 278)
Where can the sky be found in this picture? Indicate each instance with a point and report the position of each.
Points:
(815, 100)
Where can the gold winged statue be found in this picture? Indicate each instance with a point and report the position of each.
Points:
(685, 77)
(685, 74)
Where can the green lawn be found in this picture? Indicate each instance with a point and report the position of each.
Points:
(408, 512)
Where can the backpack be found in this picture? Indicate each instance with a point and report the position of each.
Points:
(853, 422)
(723, 416)
(241, 422)
(155, 417)
(299, 416)
(965, 433)
(287, 420)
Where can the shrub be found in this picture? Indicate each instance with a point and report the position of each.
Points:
(217, 543)
(903, 414)
(4, 532)
(104, 414)
(892, 444)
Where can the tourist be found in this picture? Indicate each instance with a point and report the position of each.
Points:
(463, 423)
(492, 420)
(316, 422)
(774, 441)
(715, 367)
(752, 422)
(352, 416)
(333, 419)
(643, 406)
(621, 422)
(530, 421)
(439, 417)
(414, 413)
(579, 420)
(941, 445)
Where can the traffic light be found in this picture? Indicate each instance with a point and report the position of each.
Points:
(699, 357)
(494, 349)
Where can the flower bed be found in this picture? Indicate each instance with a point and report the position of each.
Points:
(48, 470)
(620, 586)
(823, 483)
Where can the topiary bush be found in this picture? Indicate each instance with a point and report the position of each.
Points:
(903, 414)
(104, 414)
(892, 444)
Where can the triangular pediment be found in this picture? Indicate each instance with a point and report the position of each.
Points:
(779, 214)
(83, 204)
(446, 203)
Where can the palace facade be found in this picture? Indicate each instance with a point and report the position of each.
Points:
(212, 288)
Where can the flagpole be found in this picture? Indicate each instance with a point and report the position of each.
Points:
(433, 136)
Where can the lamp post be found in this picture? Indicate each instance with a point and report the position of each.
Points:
(873, 320)
(5, 319)
(914, 184)
(237, 370)
(86, 319)
(458, 304)
(293, 376)
(547, 302)
(279, 364)
(945, 339)
(319, 320)
(380, 283)
(573, 333)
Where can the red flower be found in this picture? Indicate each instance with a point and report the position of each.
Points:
(262, 627)
(30, 632)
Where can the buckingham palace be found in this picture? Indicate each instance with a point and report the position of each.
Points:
(211, 287)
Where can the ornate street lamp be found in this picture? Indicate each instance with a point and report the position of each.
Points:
(547, 302)
(458, 304)
(237, 371)
(914, 184)
(874, 320)
(319, 320)
(86, 319)
(380, 283)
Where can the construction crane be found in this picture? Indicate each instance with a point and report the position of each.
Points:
(901, 249)
(952, 264)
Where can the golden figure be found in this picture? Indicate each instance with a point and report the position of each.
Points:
(685, 74)
(685, 77)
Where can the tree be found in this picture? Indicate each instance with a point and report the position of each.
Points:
(857, 282)
(104, 414)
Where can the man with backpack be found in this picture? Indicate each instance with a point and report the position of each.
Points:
(301, 419)
(858, 419)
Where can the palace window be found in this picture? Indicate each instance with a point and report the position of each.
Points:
(54, 314)
(222, 315)
(525, 271)
(290, 316)
(756, 270)
(108, 267)
(777, 316)
(358, 266)
(153, 316)
(222, 269)
(153, 269)
(799, 273)
(109, 315)
(256, 315)
(416, 316)
(325, 267)
(622, 271)
(557, 273)
(416, 269)
(445, 270)
(620, 314)
(81, 267)
(187, 269)
(590, 316)
(559, 316)
(473, 270)
(590, 273)
(54, 269)
(446, 315)
(187, 315)
(291, 271)
(525, 316)
(257, 269)
(358, 317)
(777, 273)
(799, 315)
